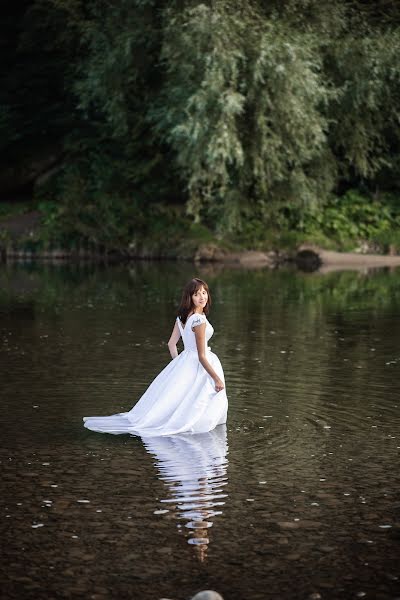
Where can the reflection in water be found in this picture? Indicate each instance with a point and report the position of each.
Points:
(312, 366)
(194, 468)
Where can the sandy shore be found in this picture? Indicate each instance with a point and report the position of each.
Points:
(328, 260)
(334, 261)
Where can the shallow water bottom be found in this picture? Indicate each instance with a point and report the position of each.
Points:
(298, 497)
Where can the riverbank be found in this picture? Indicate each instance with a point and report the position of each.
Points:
(308, 257)
(331, 260)
(20, 237)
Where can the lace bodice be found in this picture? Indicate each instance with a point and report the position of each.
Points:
(188, 335)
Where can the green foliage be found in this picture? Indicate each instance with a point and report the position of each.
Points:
(202, 100)
(10, 209)
(243, 96)
(354, 217)
(253, 117)
(343, 223)
(365, 117)
(114, 77)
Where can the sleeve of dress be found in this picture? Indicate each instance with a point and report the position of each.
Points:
(198, 320)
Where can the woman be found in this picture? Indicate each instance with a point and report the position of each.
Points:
(189, 394)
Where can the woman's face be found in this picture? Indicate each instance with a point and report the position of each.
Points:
(200, 298)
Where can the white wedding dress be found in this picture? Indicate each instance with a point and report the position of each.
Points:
(182, 398)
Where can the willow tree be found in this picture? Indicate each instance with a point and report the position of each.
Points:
(238, 109)
(272, 107)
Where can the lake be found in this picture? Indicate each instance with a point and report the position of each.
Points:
(297, 497)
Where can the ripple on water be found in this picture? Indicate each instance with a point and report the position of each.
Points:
(312, 483)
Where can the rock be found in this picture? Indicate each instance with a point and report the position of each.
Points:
(309, 524)
(282, 541)
(394, 532)
(209, 252)
(327, 549)
(288, 524)
(308, 260)
(252, 257)
(246, 258)
(295, 556)
(207, 595)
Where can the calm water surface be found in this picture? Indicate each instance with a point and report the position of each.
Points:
(297, 497)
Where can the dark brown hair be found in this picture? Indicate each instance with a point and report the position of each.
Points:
(186, 306)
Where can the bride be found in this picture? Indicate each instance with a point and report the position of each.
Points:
(189, 394)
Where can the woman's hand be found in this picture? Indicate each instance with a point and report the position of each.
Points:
(218, 384)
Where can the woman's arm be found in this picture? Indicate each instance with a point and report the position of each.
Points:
(173, 340)
(200, 333)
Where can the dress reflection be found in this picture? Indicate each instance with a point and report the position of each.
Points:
(194, 468)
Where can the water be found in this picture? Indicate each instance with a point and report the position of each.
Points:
(298, 497)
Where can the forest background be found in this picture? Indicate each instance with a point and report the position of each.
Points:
(146, 128)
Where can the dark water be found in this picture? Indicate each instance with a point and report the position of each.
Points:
(298, 497)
